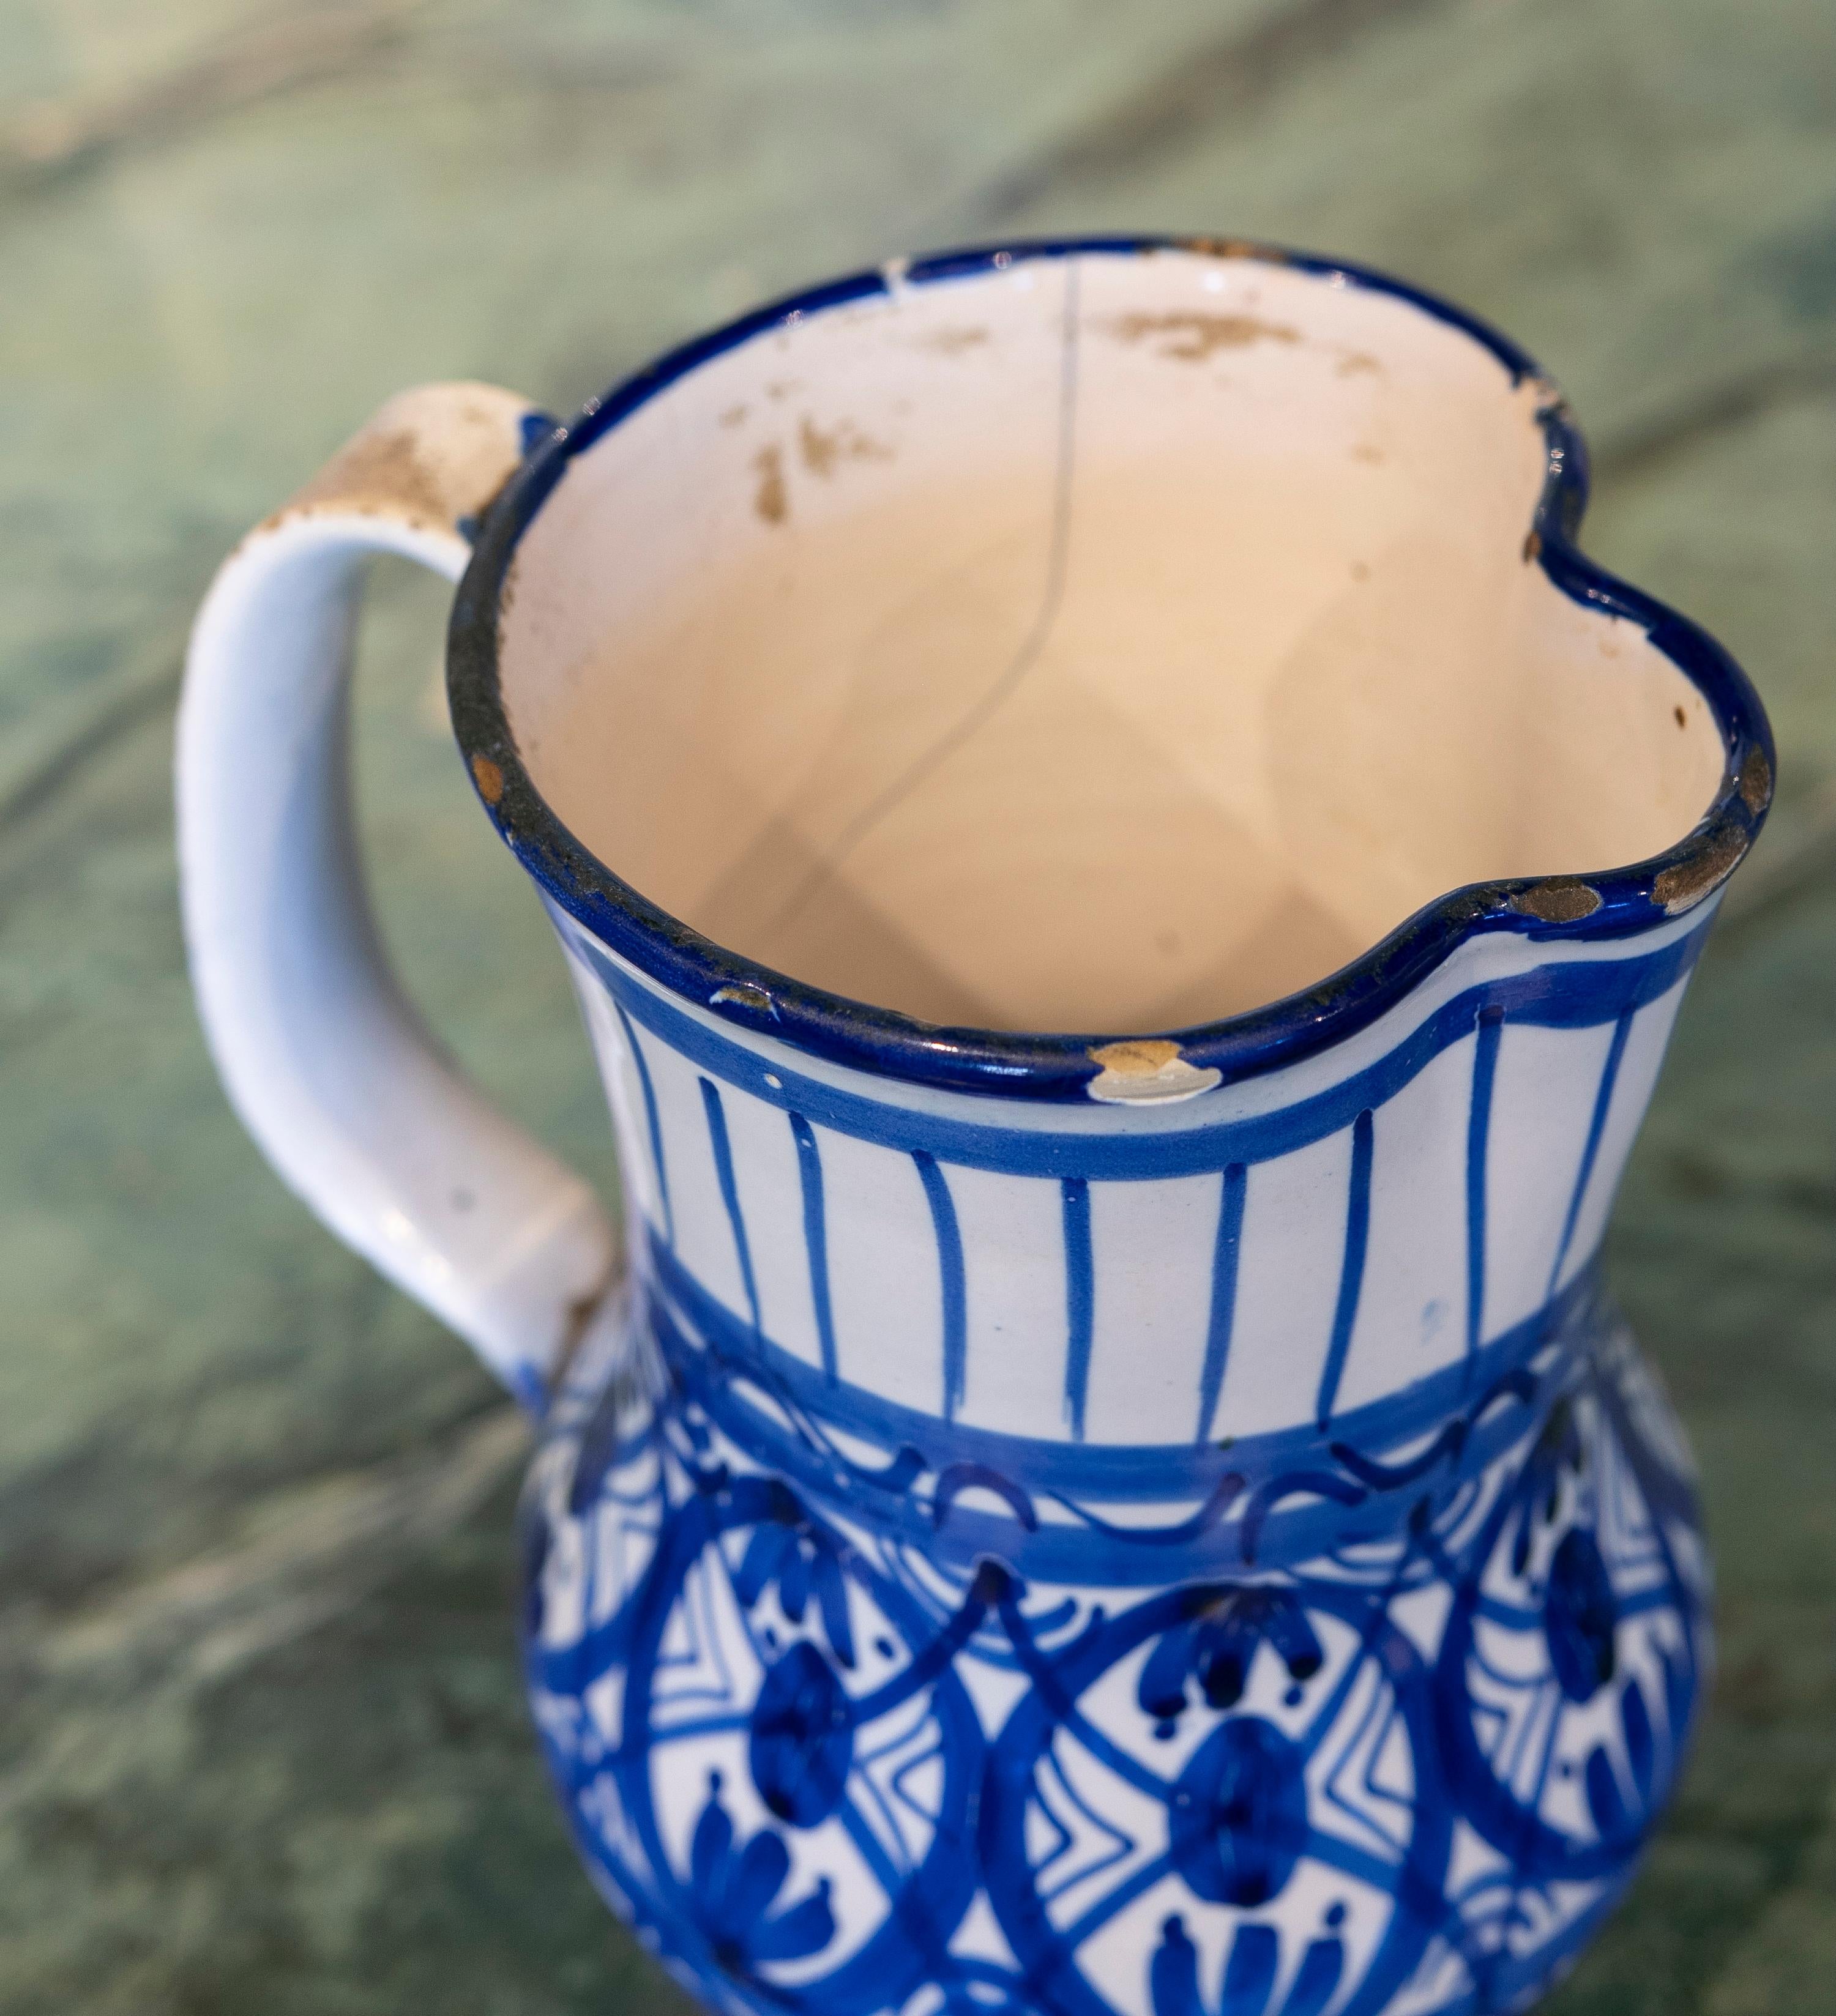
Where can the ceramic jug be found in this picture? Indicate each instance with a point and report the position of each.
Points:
(1162, 1519)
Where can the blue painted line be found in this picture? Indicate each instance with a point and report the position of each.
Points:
(1596, 1127)
(949, 1271)
(780, 1409)
(1122, 1472)
(1490, 1029)
(1570, 994)
(1321, 1966)
(1080, 1301)
(1224, 1294)
(1358, 1232)
(730, 1194)
(1250, 1973)
(650, 1114)
(816, 1239)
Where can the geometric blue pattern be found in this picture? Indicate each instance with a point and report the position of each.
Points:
(850, 1711)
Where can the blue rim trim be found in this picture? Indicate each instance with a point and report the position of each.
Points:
(1561, 994)
(1014, 1064)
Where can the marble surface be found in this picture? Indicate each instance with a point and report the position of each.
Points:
(262, 1744)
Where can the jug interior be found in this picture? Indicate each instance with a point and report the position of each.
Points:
(1108, 643)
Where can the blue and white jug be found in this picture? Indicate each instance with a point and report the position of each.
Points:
(1160, 1520)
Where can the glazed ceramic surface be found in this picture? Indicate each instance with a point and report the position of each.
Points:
(1158, 1523)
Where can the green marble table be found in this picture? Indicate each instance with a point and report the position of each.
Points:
(262, 1746)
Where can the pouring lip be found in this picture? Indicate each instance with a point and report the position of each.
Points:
(1588, 907)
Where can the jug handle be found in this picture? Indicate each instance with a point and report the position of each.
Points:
(355, 1102)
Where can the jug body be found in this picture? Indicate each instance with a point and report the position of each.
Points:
(1070, 1560)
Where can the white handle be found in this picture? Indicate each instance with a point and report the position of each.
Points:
(333, 1073)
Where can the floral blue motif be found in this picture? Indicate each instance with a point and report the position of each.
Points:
(734, 1895)
(922, 1778)
(1250, 1974)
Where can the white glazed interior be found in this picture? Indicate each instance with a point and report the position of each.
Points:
(1111, 644)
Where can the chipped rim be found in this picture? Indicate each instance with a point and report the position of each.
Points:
(1614, 903)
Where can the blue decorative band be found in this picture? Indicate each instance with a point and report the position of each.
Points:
(1046, 1509)
(1564, 994)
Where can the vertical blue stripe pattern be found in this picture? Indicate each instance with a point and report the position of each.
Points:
(1357, 1230)
(730, 1194)
(816, 1239)
(1079, 1301)
(656, 1125)
(1224, 1294)
(949, 1271)
(1596, 1127)
(1490, 1029)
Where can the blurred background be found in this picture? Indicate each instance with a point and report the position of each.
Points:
(262, 1744)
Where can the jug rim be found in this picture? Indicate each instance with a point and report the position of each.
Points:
(1611, 903)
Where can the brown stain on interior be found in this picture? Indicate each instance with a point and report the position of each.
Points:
(770, 499)
(1356, 363)
(1365, 451)
(489, 778)
(951, 342)
(734, 415)
(1683, 720)
(1558, 902)
(1532, 545)
(823, 449)
(1756, 782)
(1140, 1057)
(1192, 335)
(1360, 571)
(1707, 866)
